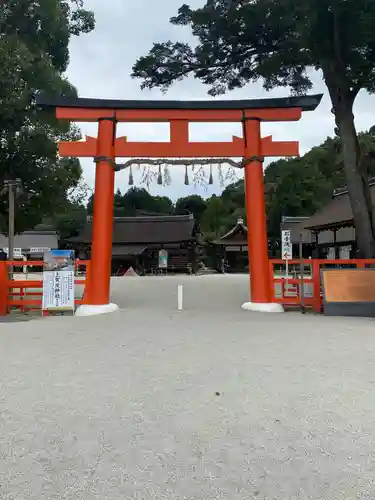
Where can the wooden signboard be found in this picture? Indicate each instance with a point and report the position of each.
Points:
(349, 292)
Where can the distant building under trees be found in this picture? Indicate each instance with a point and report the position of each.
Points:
(329, 233)
(31, 244)
(138, 240)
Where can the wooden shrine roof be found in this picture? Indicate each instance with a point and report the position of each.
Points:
(306, 103)
(296, 226)
(146, 230)
(237, 236)
(33, 242)
(336, 214)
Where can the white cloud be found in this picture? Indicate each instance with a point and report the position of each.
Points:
(101, 64)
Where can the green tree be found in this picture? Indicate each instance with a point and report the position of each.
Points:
(72, 215)
(193, 204)
(137, 199)
(296, 188)
(71, 221)
(293, 187)
(301, 186)
(163, 205)
(234, 194)
(214, 222)
(34, 55)
(278, 42)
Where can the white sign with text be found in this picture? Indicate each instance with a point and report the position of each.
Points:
(286, 245)
(58, 290)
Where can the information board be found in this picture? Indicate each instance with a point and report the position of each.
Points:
(163, 259)
(58, 280)
(17, 252)
(349, 292)
(39, 250)
(58, 290)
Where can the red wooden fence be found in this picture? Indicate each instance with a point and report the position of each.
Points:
(290, 296)
(17, 293)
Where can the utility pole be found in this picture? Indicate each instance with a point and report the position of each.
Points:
(13, 186)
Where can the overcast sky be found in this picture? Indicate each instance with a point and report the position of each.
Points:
(101, 64)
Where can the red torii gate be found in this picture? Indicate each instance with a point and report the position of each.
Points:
(251, 147)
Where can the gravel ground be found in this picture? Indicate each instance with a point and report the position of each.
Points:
(208, 403)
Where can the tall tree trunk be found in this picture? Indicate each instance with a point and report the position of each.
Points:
(356, 177)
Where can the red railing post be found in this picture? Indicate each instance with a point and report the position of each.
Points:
(22, 297)
(86, 291)
(283, 289)
(316, 285)
(3, 288)
(272, 281)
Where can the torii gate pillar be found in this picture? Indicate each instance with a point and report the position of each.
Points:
(260, 282)
(101, 249)
(97, 293)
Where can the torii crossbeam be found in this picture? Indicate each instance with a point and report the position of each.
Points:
(251, 147)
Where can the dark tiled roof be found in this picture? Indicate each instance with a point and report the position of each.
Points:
(152, 229)
(32, 239)
(306, 103)
(144, 213)
(337, 213)
(296, 226)
(294, 220)
(121, 250)
(236, 236)
(45, 226)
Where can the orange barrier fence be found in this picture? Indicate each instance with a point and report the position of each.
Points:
(287, 290)
(27, 294)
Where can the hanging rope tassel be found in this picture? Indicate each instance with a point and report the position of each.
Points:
(211, 178)
(186, 176)
(131, 178)
(160, 177)
(167, 176)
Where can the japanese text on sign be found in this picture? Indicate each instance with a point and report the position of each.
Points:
(286, 245)
(58, 290)
(58, 280)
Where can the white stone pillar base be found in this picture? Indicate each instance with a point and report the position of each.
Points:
(88, 310)
(270, 307)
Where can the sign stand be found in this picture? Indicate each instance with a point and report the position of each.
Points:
(58, 281)
(286, 252)
(163, 261)
(302, 271)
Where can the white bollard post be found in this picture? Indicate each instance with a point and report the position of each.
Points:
(180, 297)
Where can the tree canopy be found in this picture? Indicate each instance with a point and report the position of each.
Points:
(137, 199)
(278, 42)
(193, 204)
(34, 55)
(301, 186)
